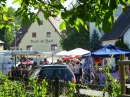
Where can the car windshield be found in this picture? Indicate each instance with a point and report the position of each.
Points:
(33, 73)
(55, 71)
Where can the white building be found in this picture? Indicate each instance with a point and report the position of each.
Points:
(44, 37)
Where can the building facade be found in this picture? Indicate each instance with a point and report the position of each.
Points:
(44, 37)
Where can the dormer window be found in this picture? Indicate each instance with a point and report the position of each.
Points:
(48, 34)
(34, 34)
(41, 22)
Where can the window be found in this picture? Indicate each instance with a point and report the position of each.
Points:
(48, 34)
(29, 47)
(41, 22)
(54, 47)
(34, 34)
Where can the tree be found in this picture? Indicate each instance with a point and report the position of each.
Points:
(8, 39)
(95, 42)
(5, 21)
(73, 39)
(10, 13)
(2, 33)
(98, 11)
(5, 35)
(120, 43)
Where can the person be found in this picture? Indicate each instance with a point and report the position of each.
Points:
(25, 70)
(80, 70)
(41, 63)
(35, 64)
(105, 62)
(60, 62)
(76, 70)
(86, 69)
(45, 62)
(69, 64)
(8, 67)
(57, 61)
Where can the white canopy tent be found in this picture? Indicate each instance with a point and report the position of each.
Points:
(78, 52)
(17, 54)
(62, 53)
(54, 59)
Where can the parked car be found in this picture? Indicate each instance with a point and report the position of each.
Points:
(51, 71)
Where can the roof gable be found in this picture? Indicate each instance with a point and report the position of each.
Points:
(1, 42)
(121, 25)
(55, 22)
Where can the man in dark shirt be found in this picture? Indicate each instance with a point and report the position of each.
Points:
(86, 69)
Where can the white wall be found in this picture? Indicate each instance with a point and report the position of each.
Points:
(40, 43)
(127, 37)
(112, 42)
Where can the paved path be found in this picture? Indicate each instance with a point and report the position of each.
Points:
(93, 93)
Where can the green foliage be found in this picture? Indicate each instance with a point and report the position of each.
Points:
(2, 34)
(121, 44)
(7, 36)
(8, 39)
(62, 25)
(5, 20)
(95, 42)
(72, 39)
(115, 85)
(9, 88)
(98, 11)
(71, 89)
(10, 13)
(39, 88)
(17, 89)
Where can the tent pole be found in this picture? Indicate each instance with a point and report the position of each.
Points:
(122, 75)
(15, 60)
(21, 63)
(21, 59)
(52, 58)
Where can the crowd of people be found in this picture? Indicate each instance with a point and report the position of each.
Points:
(83, 71)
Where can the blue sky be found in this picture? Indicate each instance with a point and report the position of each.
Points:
(16, 5)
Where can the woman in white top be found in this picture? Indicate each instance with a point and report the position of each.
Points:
(70, 65)
(76, 71)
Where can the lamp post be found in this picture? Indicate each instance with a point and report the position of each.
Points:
(15, 35)
(15, 40)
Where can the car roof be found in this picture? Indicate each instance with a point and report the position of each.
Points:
(51, 65)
